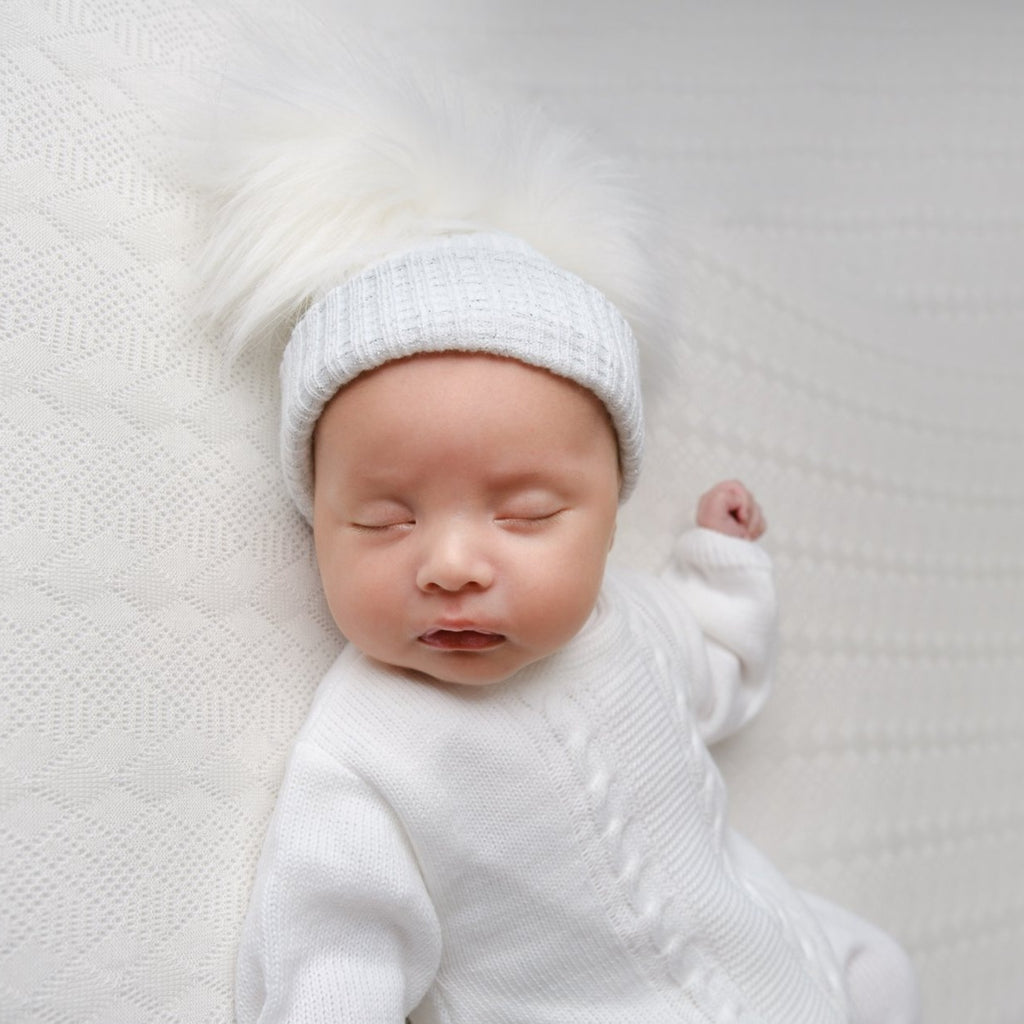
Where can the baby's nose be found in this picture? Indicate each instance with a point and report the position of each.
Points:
(454, 558)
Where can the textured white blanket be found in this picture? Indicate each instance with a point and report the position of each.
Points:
(845, 190)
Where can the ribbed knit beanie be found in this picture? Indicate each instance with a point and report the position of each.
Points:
(488, 293)
(366, 211)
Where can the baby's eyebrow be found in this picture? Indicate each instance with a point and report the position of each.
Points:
(516, 481)
(380, 501)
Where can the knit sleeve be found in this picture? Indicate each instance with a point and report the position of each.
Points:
(727, 607)
(340, 926)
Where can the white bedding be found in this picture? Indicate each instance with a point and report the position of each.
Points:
(845, 191)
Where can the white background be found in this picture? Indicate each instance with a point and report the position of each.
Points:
(843, 189)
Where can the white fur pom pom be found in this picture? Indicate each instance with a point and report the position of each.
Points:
(338, 159)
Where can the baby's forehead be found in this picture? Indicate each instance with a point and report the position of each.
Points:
(497, 375)
(481, 421)
(465, 387)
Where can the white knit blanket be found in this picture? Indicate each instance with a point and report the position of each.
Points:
(844, 186)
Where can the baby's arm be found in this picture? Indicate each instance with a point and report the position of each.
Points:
(340, 927)
(725, 582)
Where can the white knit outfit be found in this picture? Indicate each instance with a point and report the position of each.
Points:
(553, 848)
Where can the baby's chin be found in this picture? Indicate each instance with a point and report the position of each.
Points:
(469, 666)
(467, 673)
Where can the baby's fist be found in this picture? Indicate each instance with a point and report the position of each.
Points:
(730, 508)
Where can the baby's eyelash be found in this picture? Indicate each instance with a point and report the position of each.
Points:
(378, 527)
(532, 518)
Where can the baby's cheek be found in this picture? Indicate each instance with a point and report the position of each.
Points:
(570, 600)
(354, 605)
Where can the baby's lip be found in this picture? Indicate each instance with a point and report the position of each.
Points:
(461, 638)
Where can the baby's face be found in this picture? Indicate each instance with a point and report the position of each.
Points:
(464, 507)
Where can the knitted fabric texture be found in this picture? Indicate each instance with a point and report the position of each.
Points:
(556, 849)
(484, 293)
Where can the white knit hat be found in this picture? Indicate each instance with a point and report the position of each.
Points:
(484, 292)
(366, 210)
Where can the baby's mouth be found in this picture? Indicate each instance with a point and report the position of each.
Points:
(461, 639)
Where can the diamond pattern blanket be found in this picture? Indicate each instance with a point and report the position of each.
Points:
(844, 199)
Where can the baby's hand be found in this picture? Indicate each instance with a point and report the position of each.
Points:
(730, 508)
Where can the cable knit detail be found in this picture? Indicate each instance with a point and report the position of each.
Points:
(654, 909)
(819, 958)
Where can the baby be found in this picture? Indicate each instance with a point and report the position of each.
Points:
(502, 808)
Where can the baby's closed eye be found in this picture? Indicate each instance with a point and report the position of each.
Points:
(530, 514)
(382, 516)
